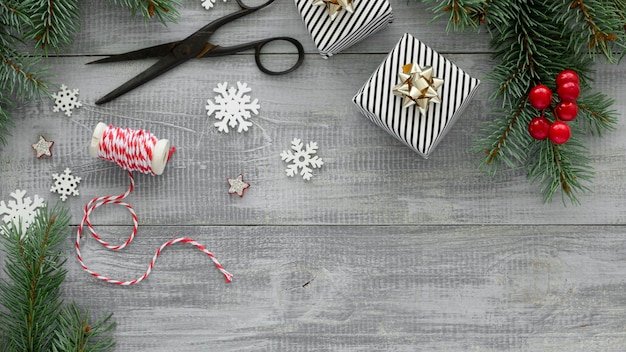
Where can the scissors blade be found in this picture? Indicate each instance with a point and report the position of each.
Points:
(153, 51)
(165, 64)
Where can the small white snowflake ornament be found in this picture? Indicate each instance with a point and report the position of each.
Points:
(66, 100)
(303, 159)
(208, 4)
(22, 210)
(65, 184)
(232, 107)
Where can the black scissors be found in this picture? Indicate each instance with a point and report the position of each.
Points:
(195, 46)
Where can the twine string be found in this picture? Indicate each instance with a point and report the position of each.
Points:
(135, 156)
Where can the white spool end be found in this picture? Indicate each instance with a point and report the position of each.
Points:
(160, 155)
(94, 146)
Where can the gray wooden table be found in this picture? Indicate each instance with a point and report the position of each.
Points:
(380, 251)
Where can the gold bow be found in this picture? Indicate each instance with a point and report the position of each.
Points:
(418, 87)
(335, 6)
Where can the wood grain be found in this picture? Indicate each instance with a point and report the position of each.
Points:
(358, 288)
(380, 251)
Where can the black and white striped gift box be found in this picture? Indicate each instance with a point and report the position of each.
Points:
(333, 36)
(421, 133)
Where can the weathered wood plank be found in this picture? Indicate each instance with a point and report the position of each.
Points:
(368, 178)
(106, 29)
(357, 288)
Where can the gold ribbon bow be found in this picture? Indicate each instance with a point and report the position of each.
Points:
(335, 6)
(418, 87)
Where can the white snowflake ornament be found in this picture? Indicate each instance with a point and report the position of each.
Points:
(208, 4)
(66, 100)
(232, 107)
(22, 210)
(303, 159)
(65, 184)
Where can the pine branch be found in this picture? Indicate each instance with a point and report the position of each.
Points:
(77, 335)
(33, 264)
(504, 141)
(595, 114)
(53, 22)
(20, 76)
(560, 167)
(5, 118)
(462, 14)
(533, 42)
(163, 10)
(602, 25)
(12, 14)
(33, 318)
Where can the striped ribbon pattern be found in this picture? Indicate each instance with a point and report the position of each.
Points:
(333, 36)
(421, 133)
(100, 201)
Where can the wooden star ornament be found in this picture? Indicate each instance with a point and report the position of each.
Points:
(237, 185)
(43, 147)
(334, 7)
(418, 87)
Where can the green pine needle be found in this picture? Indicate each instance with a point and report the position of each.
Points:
(77, 335)
(32, 315)
(163, 10)
(560, 167)
(31, 296)
(533, 41)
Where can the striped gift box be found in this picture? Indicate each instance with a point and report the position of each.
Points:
(420, 132)
(333, 36)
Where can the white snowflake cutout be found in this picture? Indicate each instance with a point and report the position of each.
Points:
(303, 159)
(208, 4)
(66, 100)
(232, 107)
(22, 210)
(65, 184)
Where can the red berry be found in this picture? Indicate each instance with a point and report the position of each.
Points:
(539, 128)
(569, 91)
(566, 110)
(567, 76)
(540, 97)
(560, 132)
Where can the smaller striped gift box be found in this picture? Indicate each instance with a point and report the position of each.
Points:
(332, 36)
(421, 133)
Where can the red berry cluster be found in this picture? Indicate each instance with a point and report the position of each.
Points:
(540, 97)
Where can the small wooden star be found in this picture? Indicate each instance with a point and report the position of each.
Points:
(43, 147)
(237, 185)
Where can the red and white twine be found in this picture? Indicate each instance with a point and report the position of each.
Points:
(132, 150)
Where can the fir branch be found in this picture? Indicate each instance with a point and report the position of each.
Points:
(560, 167)
(77, 335)
(20, 77)
(602, 24)
(595, 114)
(33, 318)
(53, 22)
(162, 10)
(33, 264)
(504, 141)
(5, 118)
(462, 14)
(12, 14)
(533, 41)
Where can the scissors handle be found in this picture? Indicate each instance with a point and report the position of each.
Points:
(258, 46)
